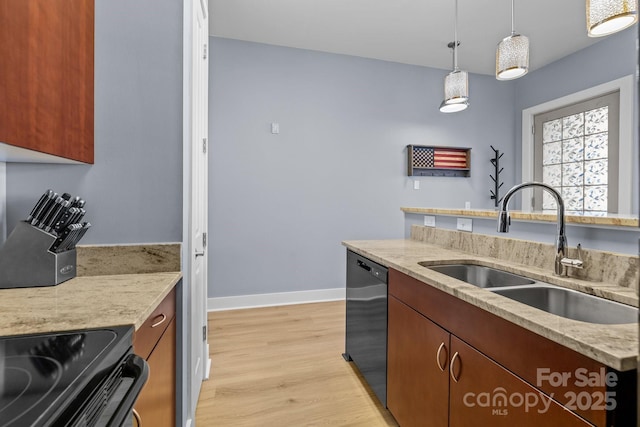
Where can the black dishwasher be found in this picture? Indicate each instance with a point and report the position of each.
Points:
(366, 326)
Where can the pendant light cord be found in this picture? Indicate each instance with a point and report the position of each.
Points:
(455, 39)
(513, 26)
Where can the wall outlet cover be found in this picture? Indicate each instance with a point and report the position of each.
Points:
(429, 221)
(465, 224)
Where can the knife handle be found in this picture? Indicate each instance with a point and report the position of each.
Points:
(53, 211)
(39, 216)
(38, 206)
(66, 240)
(65, 220)
(78, 216)
(60, 239)
(78, 202)
(81, 233)
(64, 205)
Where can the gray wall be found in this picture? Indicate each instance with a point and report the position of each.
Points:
(281, 204)
(134, 189)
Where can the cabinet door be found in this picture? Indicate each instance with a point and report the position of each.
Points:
(156, 402)
(484, 393)
(417, 381)
(47, 76)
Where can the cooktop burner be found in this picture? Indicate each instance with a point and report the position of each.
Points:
(38, 372)
(22, 388)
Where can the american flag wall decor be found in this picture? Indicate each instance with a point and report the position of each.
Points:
(442, 161)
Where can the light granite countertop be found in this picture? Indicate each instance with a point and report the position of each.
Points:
(613, 345)
(116, 285)
(84, 302)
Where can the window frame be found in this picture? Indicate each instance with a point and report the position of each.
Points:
(611, 100)
(625, 86)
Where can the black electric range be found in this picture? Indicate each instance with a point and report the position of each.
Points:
(79, 378)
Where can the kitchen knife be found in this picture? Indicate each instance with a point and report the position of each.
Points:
(51, 213)
(48, 210)
(81, 232)
(57, 216)
(61, 238)
(38, 216)
(78, 216)
(67, 242)
(39, 205)
(75, 200)
(78, 202)
(65, 220)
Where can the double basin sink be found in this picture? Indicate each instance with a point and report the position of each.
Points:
(553, 299)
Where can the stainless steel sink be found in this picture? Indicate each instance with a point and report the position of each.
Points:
(481, 276)
(572, 304)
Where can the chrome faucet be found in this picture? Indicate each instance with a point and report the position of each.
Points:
(504, 220)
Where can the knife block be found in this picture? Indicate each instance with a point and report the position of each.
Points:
(26, 261)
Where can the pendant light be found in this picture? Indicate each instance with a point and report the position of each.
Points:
(606, 17)
(512, 55)
(456, 83)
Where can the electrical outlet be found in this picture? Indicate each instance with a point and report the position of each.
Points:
(465, 224)
(429, 220)
(275, 128)
(416, 185)
(467, 205)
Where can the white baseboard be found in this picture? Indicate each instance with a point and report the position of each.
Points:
(280, 298)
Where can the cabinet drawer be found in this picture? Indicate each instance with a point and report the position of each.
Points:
(152, 329)
(156, 404)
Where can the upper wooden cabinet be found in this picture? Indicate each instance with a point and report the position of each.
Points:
(46, 76)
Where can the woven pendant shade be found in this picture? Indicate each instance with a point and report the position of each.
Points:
(512, 54)
(606, 17)
(512, 57)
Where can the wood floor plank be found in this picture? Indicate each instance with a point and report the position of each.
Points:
(282, 366)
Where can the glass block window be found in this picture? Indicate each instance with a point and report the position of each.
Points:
(574, 155)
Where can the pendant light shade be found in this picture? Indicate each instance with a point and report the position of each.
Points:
(456, 83)
(456, 91)
(606, 17)
(512, 55)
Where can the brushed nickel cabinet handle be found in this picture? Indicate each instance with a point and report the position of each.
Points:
(136, 415)
(442, 368)
(453, 361)
(164, 317)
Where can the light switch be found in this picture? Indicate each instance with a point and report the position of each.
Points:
(416, 185)
(275, 128)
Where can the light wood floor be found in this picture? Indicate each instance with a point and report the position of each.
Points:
(282, 366)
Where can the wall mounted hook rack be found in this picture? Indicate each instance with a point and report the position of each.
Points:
(495, 161)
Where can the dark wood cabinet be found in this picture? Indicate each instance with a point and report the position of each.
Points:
(483, 393)
(417, 368)
(489, 360)
(47, 76)
(155, 341)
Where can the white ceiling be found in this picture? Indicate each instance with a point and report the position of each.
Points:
(407, 31)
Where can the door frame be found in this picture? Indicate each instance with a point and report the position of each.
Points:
(187, 403)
